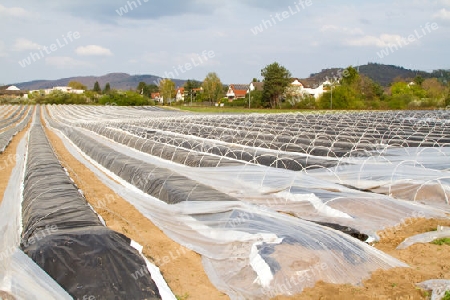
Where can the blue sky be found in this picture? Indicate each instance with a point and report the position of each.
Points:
(235, 39)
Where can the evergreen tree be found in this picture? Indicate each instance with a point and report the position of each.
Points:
(97, 88)
(276, 79)
(107, 88)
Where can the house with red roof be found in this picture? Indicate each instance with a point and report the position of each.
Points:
(180, 94)
(157, 97)
(237, 91)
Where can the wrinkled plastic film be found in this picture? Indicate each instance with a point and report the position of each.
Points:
(19, 275)
(271, 248)
(64, 236)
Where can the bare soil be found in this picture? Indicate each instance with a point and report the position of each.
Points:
(183, 269)
(426, 261)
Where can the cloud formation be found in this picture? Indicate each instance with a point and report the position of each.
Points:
(13, 11)
(93, 50)
(381, 41)
(154, 36)
(443, 14)
(22, 44)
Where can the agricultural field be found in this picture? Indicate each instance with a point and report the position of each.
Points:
(108, 202)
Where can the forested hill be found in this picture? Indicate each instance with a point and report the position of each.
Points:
(121, 81)
(384, 74)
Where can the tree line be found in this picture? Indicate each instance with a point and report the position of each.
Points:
(98, 96)
(350, 90)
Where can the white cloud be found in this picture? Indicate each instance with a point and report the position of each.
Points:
(445, 2)
(443, 14)
(65, 62)
(13, 11)
(329, 28)
(22, 44)
(382, 41)
(93, 50)
(345, 30)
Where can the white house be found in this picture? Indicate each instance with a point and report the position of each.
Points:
(180, 94)
(13, 88)
(67, 89)
(157, 97)
(64, 89)
(309, 89)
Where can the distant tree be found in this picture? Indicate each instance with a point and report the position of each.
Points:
(189, 88)
(225, 88)
(142, 88)
(401, 94)
(276, 79)
(167, 90)
(434, 88)
(152, 88)
(212, 87)
(192, 84)
(353, 91)
(122, 98)
(418, 80)
(76, 85)
(256, 99)
(400, 87)
(107, 88)
(97, 88)
(349, 75)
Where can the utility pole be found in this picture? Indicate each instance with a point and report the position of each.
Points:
(331, 103)
(332, 84)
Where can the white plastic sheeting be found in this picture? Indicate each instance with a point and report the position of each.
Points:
(7, 135)
(249, 249)
(19, 275)
(438, 287)
(225, 233)
(441, 232)
(304, 194)
(82, 255)
(423, 178)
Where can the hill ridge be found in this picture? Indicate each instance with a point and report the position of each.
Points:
(117, 80)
